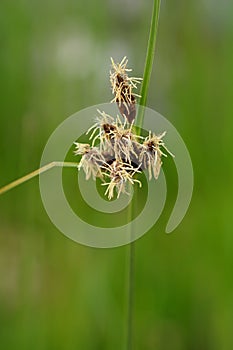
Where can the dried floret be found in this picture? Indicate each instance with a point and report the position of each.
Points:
(122, 88)
(151, 153)
(92, 160)
(120, 175)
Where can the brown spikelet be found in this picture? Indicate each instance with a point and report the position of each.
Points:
(128, 109)
(122, 86)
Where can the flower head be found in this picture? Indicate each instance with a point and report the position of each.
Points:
(116, 153)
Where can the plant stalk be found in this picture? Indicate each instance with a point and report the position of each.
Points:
(140, 118)
(34, 173)
(149, 62)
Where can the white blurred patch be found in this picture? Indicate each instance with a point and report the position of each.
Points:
(218, 12)
(74, 54)
(130, 8)
(118, 48)
(79, 55)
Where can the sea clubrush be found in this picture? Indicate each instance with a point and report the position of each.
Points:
(120, 153)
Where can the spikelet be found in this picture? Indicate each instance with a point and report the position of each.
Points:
(120, 174)
(151, 153)
(122, 88)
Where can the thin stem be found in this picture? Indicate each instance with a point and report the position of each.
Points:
(130, 277)
(131, 281)
(34, 173)
(140, 118)
(149, 61)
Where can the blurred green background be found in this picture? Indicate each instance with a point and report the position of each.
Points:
(57, 294)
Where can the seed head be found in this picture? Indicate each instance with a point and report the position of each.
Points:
(116, 153)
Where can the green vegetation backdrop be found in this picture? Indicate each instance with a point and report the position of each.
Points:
(56, 294)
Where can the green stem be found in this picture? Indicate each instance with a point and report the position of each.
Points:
(131, 282)
(140, 118)
(149, 61)
(36, 172)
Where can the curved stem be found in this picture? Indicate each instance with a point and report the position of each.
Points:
(34, 173)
